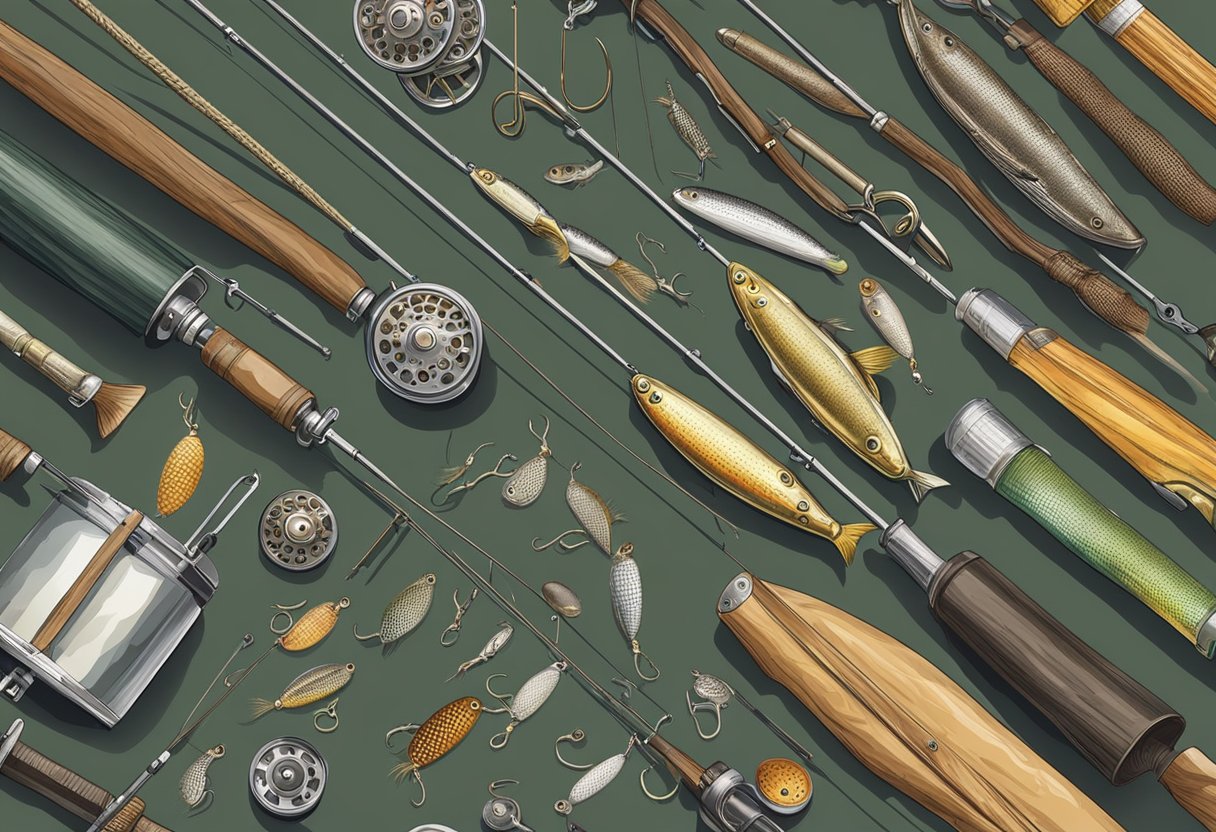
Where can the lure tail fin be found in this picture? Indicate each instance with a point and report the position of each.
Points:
(548, 230)
(261, 707)
(836, 265)
(873, 360)
(635, 281)
(922, 483)
(850, 535)
(113, 403)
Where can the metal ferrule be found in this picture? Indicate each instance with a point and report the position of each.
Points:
(359, 304)
(996, 320)
(984, 440)
(178, 316)
(1120, 17)
(912, 553)
(85, 391)
(1205, 639)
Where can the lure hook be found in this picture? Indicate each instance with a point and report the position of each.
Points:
(695, 708)
(576, 737)
(450, 475)
(285, 610)
(189, 411)
(453, 629)
(599, 102)
(542, 438)
(627, 687)
(657, 798)
(504, 698)
(408, 729)
(519, 98)
(330, 711)
(498, 784)
(469, 485)
(667, 286)
(560, 541)
(638, 656)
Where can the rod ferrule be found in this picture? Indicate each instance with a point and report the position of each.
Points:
(913, 554)
(996, 320)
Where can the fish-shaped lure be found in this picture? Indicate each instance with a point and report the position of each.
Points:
(625, 590)
(688, 130)
(1014, 137)
(313, 626)
(562, 599)
(496, 643)
(575, 174)
(757, 224)
(634, 281)
(442, 731)
(527, 482)
(405, 612)
(882, 313)
(309, 687)
(525, 702)
(739, 466)
(194, 787)
(837, 387)
(594, 514)
(597, 778)
(523, 206)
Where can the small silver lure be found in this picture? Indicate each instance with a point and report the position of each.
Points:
(593, 513)
(597, 778)
(405, 612)
(572, 173)
(716, 694)
(625, 587)
(193, 786)
(633, 280)
(688, 130)
(882, 313)
(525, 702)
(527, 482)
(496, 643)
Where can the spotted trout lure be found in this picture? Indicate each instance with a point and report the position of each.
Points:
(310, 686)
(882, 313)
(433, 739)
(194, 787)
(625, 590)
(526, 701)
(688, 130)
(405, 612)
(594, 514)
(523, 207)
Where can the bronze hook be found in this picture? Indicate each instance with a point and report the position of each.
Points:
(607, 83)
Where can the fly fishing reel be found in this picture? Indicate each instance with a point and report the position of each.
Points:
(432, 45)
(298, 530)
(424, 343)
(287, 777)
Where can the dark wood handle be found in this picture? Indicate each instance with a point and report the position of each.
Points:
(69, 790)
(1113, 720)
(258, 379)
(1148, 150)
(12, 454)
(1191, 780)
(140, 145)
(680, 764)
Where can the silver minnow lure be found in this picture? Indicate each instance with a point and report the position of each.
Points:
(594, 515)
(496, 643)
(1014, 137)
(757, 224)
(405, 612)
(525, 485)
(632, 279)
(526, 701)
(570, 173)
(880, 310)
(595, 780)
(625, 590)
(193, 786)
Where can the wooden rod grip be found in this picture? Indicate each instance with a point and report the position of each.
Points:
(679, 763)
(1151, 153)
(1173, 60)
(1191, 779)
(38, 354)
(256, 378)
(137, 143)
(13, 453)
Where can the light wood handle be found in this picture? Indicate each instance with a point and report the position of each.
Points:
(1191, 780)
(134, 141)
(1173, 60)
(256, 377)
(38, 354)
(12, 454)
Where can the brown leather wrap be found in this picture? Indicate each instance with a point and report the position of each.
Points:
(1110, 302)
(257, 378)
(1148, 150)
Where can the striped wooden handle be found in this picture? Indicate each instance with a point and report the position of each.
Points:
(256, 377)
(12, 453)
(1191, 780)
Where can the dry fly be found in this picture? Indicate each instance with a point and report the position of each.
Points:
(528, 480)
(405, 612)
(687, 128)
(632, 279)
(880, 310)
(496, 643)
(194, 787)
(525, 702)
(625, 589)
(447, 476)
(442, 731)
(593, 513)
(309, 687)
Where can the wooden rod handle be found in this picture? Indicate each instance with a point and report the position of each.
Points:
(13, 453)
(679, 763)
(256, 377)
(65, 374)
(1191, 780)
(137, 143)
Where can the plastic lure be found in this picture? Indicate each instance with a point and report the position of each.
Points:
(525, 702)
(520, 204)
(405, 612)
(574, 174)
(194, 787)
(309, 687)
(625, 588)
(882, 313)
(688, 130)
(496, 643)
(526, 483)
(593, 513)
(634, 281)
(442, 731)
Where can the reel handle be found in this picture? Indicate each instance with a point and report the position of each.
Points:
(256, 377)
(13, 452)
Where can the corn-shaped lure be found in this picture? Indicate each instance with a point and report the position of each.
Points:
(313, 626)
(194, 787)
(442, 731)
(595, 780)
(405, 612)
(625, 588)
(309, 687)
(184, 467)
(526, 701)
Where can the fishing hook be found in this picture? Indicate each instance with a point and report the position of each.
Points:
(599, 102)
(330, 711)
(576, 737)
(408, 728)
(520, 98)
(666, 286)
(453, 629)
(627, 687)
(285, 609)
(557, 631)
(638, 656)
(189, 411)
(560, 542)
(542, 438)
(657, 798)
(469, 485)
(449, 475)
(714, 707)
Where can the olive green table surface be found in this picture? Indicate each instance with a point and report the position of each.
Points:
(676, 542)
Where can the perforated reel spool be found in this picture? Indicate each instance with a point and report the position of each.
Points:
(298, 530)
(424, 343)
(408, 36)
(287, 777)
(459, 73)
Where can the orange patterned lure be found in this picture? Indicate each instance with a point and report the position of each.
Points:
(312, 627)
(441, 732)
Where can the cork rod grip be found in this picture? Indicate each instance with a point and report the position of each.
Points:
(137, 143)
(1191, 780)
(69, 790)
(65, 374)
(256, 378)
(1173, 60)
(1151, 153)
(12, 454)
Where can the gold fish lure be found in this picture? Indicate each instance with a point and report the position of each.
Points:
(312, 627)
(439, 734)
(309, 687)
(520, 204)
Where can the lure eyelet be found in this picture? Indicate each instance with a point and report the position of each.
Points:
(643, 385)
(740, 277)
(1096, 222)
(761, 301)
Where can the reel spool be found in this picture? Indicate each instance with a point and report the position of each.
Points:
(424, 343)
(298, 530)
(783, 786)
(287, 777)
(432, 46)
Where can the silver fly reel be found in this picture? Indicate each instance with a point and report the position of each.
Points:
(287, 777)
(298, 530)
(431, 44)
(424, 343)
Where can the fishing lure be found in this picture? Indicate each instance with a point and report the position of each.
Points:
(625, 589)
(688, 130)
(562, 599)
(309, 687)
(525, 485)
(496, 643)
(666, 286)
(194, 787)
(311, 628)
(524, 207)
(881, 311)
(526, 701)
(447, 476)
(451, 633)
(184, 467)
(469, 485)
(757, 224)
(577, 175)
(439, 734)
(836, 386)
(716, 694)
(634, 281)
(597, 778)
(593, 513)
(405, 612)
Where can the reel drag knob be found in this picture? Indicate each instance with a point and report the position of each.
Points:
(287, 777)
(298, 530)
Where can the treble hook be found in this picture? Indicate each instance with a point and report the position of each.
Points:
(576, 737)
(468, 485)
(638, 656)
(330, 711)
(714, 707)
(657, 798)
(284, 609)
(453, 629)
(599, 102)
(560, 542)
